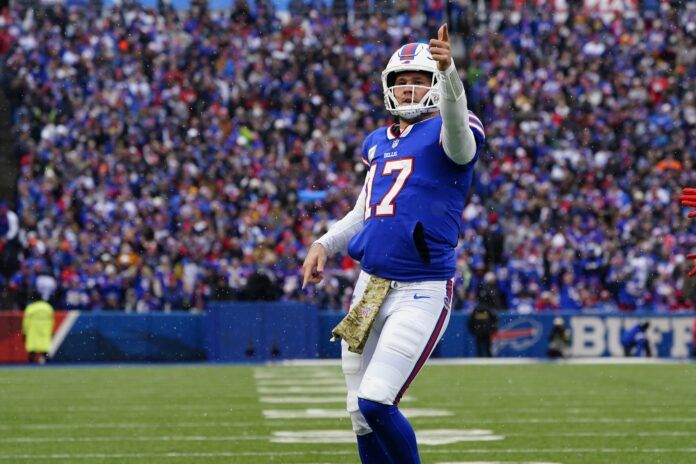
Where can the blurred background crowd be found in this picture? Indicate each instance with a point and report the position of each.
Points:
(173, 157)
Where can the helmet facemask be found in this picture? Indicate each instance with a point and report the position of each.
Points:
(414, 57)
(413, 109)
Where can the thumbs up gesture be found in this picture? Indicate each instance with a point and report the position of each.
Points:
(440, 49)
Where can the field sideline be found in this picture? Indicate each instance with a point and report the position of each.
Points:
(500, 413)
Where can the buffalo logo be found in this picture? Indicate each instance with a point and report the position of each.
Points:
(519, 335)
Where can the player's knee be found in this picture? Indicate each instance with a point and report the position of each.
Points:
(376, 389)
(360, 425)
(410, 339)
(373, 411)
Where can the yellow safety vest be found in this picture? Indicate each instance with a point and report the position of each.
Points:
(37, 326)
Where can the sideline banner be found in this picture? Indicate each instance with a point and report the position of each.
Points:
(11, 340)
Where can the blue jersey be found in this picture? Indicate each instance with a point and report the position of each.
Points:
(414, 202)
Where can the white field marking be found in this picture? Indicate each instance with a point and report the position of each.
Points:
(425, 437)
(315, 413)
(502, 361)
(232, 454)
(343, 415)
(313, 399)
(133, 438)
(133, 407)
(339, 435)
(132, 425)
(277, 373)
(334, 382)
(303, 399)
(576, 420)
(660, 433)
(290, 390)
(62, 332)
(497, 462)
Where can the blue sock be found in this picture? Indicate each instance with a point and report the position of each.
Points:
(371, 451)
(392, 429)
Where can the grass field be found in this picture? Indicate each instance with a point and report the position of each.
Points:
(541, 413)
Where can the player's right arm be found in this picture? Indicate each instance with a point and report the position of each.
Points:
(334, 240)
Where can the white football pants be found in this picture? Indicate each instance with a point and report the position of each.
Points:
(409, 325)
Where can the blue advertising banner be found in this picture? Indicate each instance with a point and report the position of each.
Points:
(116, 337)
(257, 332)
(520, 335)
(261, 331)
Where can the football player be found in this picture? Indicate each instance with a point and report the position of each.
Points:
(404, 227)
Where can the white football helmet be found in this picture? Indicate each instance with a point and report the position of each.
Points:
(411, 57)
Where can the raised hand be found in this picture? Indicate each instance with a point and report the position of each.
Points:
(440, 49)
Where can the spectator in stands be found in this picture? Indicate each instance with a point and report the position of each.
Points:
(9, 242)
(146, 139)
(635, 341)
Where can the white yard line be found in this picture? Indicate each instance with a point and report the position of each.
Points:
(243, 437)
(231, 454)
(133, 438)
(304, 382)
(301, 389)
(338, 413)
(318, 413)
(303, 399)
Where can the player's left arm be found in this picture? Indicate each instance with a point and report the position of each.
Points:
(458, 140)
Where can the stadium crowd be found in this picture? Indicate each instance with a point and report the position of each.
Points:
(170, 158)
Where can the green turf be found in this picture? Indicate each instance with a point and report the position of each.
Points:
(570, 414)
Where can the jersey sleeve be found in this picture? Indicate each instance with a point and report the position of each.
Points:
(476, 127)
(365, 155)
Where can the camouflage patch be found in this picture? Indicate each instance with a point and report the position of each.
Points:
(355, 327)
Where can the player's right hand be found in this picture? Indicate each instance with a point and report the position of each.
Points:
(313, 267)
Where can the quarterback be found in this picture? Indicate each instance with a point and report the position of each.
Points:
(403, 229)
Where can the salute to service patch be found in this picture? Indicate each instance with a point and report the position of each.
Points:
(355, 327)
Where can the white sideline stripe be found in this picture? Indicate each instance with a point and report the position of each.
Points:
(498, 361)
(62, 332)
(290, 390)
(231, 454)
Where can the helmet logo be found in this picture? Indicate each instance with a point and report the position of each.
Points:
(408, 52)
